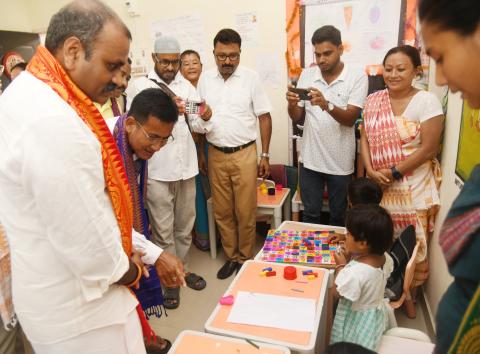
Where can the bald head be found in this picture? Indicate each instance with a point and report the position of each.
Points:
(82, 19)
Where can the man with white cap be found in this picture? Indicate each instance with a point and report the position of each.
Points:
(172, 170)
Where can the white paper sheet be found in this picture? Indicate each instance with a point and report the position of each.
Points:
(285, 312)
(188, 30)
(368, 28)
(246, 25)
(268, 68)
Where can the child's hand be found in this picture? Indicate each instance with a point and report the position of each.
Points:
(336, 238)
(341, 256)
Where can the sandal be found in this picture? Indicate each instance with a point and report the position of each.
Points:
(196, 282)
(171, 298)
(156, 347)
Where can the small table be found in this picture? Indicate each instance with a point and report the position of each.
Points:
(266, 205)
(300, 226)
(248, 279)
(274, 204)
(189, 342)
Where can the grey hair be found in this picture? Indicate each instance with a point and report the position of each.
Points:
(81, 19)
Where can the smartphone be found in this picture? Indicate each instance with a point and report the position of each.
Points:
(303, 93)
(194, 107)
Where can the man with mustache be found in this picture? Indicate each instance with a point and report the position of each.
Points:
(336, 96)
(172, 170)
(66, 203)
(237, 100)
(115, 105)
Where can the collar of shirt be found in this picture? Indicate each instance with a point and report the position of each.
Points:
(341, 77)
(105, 109)
(153, 75)
(236, 73)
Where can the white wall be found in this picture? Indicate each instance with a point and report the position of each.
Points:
(15, 16)
(216, 14)
(440, 279)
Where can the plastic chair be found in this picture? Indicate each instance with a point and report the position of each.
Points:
(409, 333)
(278, 174)
(406, 297)
(405, 340)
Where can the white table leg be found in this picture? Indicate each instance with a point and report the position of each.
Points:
(277, 217)
(212, 232)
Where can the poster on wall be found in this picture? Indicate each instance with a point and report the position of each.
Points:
(468, 155)
(188, 30)
(246, 25)
(369, 29)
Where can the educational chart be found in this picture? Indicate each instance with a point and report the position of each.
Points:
(369, 28)
(469, 142)
(299, 247)
(188, 30)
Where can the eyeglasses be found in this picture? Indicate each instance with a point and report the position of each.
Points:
(223, 57)
(166, 63)
(157, 141)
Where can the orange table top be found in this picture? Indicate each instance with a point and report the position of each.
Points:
(248, 279)
(190, 342)
(272, 200)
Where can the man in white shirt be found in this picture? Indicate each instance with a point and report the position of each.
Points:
(65, 204)
(172, 170)
(237, 100)
(336, 96)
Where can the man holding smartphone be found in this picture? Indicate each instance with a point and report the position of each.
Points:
(336, 96)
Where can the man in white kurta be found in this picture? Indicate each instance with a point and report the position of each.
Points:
(67, 256)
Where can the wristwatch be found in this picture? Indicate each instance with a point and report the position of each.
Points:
(330, 107)
(265, 154)
(396, 174)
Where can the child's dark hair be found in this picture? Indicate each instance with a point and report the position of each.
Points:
(373, 224)
(347, 348)
(364, 191)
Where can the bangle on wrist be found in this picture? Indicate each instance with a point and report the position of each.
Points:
(265, 154)
(137, 278)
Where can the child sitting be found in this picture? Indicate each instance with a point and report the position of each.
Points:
(362, 272)
(364, 191)
(360, 191)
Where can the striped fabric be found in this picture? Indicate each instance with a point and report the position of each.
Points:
(6, 306)
(386, 151)
(363, 327)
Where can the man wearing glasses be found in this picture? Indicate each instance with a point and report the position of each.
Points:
(237, 100)
(172, 170)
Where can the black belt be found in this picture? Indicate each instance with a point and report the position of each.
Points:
(231, 150)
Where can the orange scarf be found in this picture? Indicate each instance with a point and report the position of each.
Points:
(47, 69)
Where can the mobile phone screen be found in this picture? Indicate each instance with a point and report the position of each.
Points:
(303, 93)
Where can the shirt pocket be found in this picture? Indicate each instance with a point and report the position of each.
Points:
(239, 102)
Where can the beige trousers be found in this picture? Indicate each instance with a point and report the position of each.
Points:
(171, 210)
(233, 180)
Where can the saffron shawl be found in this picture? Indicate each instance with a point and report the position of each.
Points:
(7, 313)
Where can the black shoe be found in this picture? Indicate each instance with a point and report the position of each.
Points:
(227, 270)
(239, 266)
